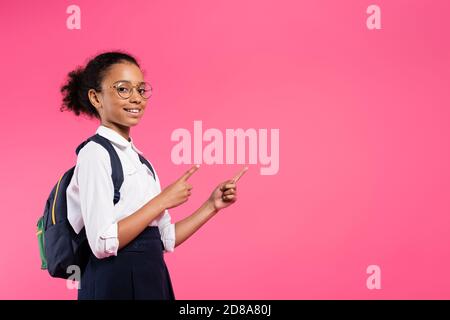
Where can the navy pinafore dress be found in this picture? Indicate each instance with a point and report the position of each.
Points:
(137, 272)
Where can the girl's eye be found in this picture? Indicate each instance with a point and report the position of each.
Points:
(142, 91)
(122, 90)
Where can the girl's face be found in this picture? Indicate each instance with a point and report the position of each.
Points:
(119, 104)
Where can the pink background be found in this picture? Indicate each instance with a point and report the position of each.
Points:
(364, 139)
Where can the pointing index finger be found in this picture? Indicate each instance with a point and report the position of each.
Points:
(190, 172)
(239, 175)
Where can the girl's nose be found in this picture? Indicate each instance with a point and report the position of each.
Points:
(135, 96)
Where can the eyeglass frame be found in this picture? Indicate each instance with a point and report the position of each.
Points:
(114, 86)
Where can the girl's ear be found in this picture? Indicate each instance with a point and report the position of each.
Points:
(94, 98)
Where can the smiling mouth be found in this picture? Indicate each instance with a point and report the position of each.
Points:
(132, 110)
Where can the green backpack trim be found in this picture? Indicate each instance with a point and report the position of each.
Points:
(40, 236)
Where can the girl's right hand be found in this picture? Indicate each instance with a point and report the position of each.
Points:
(178, 192)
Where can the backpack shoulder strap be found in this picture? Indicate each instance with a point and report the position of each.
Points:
(144, 161)
(116, 165)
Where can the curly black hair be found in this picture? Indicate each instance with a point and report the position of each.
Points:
(81, 80)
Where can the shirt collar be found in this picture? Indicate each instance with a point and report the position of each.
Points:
(116, 138)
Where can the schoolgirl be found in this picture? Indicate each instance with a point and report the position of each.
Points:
(127, 237)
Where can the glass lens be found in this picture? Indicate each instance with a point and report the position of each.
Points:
(145, 90)
(124, 89)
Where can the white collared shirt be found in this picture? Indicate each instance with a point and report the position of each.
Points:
(91, 191)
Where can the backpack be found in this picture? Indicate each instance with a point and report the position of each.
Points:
(59, 245)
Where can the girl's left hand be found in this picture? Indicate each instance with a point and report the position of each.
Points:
(225, 193)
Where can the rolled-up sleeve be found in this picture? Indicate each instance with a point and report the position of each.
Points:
(167, 230)
(96, 190)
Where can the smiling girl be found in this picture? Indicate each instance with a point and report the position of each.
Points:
(126, 239)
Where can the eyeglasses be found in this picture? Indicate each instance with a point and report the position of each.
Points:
(124, 89)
